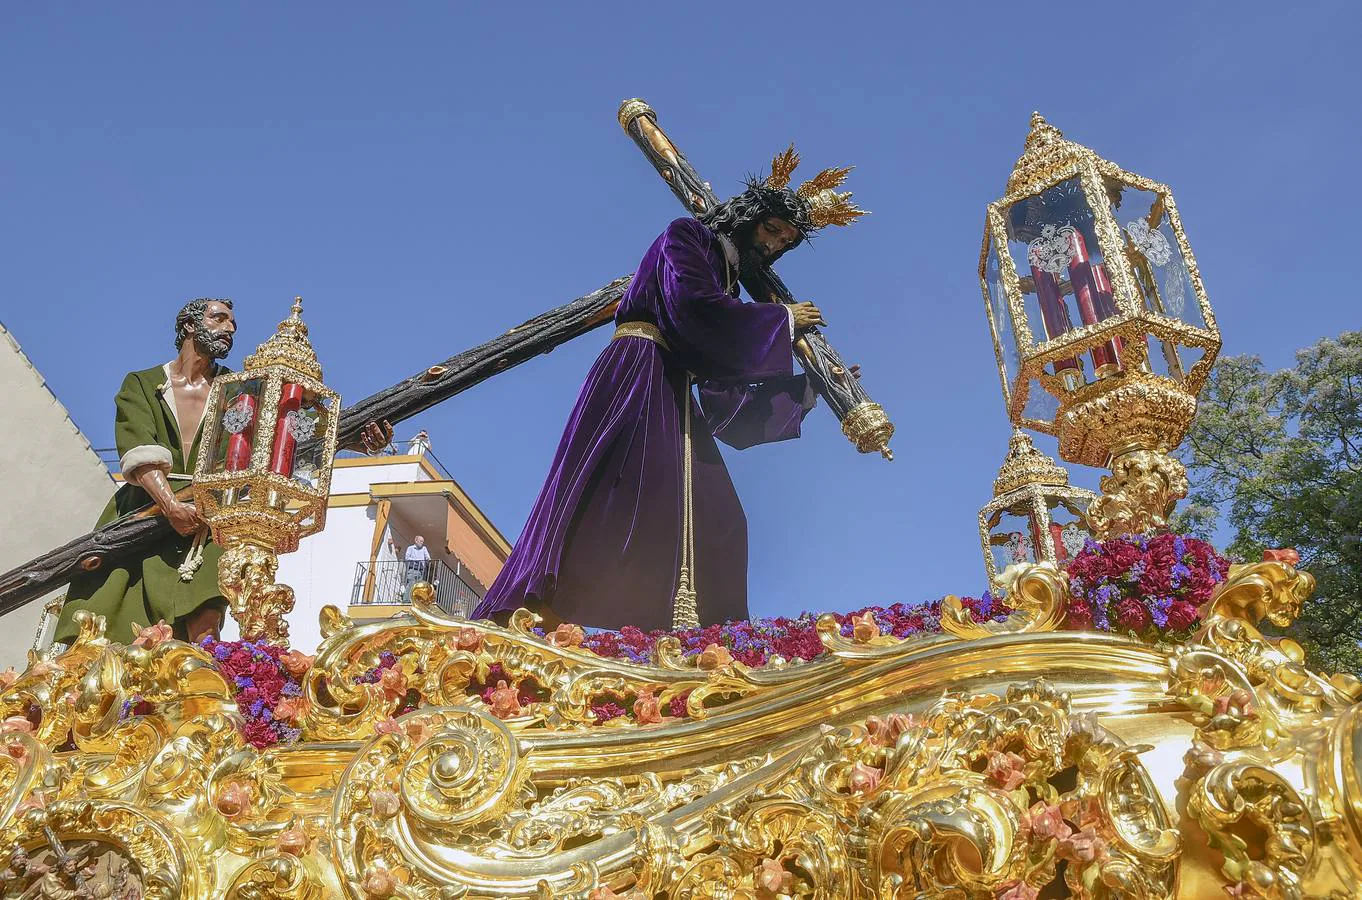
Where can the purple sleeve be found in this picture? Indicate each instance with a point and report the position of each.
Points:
(720, 336)
(748, 414)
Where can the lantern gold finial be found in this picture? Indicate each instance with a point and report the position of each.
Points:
(1026, 465)
(288, 346)
(1045, 154)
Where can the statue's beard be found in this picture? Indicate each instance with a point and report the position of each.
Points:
(212, 344)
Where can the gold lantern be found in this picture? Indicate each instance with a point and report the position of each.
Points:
(1101, 326)
(264, 472)
(1035, 516)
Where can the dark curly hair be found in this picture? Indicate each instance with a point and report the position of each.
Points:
(192, 314)
(739, 215)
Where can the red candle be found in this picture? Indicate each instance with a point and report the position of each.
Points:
(240, 423)
(1088, 294)
(281, 455)
(1052, 311)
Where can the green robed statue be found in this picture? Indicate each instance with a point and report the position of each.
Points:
(157, 426)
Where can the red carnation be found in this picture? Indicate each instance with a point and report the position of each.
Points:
(1078, 616)
(258, 734)
(1182, 615)
(1130, 613)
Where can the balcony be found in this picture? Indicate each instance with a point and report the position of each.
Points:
(381, 586)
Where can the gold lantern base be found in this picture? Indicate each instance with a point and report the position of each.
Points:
(1139, 494)
(1129, 422)
(246, 578)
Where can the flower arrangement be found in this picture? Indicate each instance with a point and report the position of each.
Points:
(1144, 586)
(753, 642)
(269, 692)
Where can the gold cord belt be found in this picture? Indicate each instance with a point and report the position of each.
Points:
(645, 330)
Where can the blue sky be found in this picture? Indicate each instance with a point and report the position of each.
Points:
(432, 174)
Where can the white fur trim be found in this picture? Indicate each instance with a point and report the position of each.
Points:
(143, 456)
(790, 311)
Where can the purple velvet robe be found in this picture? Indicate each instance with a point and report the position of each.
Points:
(602, 545)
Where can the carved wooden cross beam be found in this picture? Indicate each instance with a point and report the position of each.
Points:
(863, 420)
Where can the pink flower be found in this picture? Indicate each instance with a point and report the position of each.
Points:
(16, 751)
(646, 711)
(290, 709)
(1242, 889)
(44, 667)
(394, 682)
(1017, 890)
(1046, 821)
(388, 726)
(1286, 555)
(1006, 769)
(234, 799)
(1082, 847)
(771, 878)
(567, 635)
(864, 779)
(384, 803)
(293, 841)
(863, 627)
(886, 732)
(379, 884)
(8, 677)
(151, 635)
(296, 663)
(714, 657)
(418, 731)
(36, 800)
(16, 725)
(469, 639)
(605, 893)
(1202, 757)
(505, 701)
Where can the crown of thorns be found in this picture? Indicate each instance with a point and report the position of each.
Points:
(814, 204)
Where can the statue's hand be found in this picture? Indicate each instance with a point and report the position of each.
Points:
(183, 517)
(806, 315)
(376, 436)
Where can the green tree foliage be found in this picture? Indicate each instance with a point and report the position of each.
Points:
(1278, 456)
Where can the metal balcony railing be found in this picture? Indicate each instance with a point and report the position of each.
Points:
(389, 582)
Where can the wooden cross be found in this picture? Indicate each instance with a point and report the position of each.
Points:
(863, 420)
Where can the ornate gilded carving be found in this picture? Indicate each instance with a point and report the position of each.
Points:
(868, 427)
(1139, 494)
(847, 776)
(259, 605)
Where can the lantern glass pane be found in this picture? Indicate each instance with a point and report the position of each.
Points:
(1000, 314)
(1166, 358)
(1053, 244)
(1011, 539)
(309, 424)
(231, 438)
(1068, 530)
(1155, 258)
(1040, 403)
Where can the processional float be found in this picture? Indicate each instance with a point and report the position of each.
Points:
(1004, 757)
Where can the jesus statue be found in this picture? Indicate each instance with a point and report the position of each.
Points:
(638, 522)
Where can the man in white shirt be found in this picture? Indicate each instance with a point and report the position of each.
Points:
(418, 561)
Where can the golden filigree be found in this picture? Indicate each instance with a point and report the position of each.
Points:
(1037, 593)
(246, 577)
(1139, 494)
(1260, 825)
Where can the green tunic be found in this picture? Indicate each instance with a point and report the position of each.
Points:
(147, 588)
